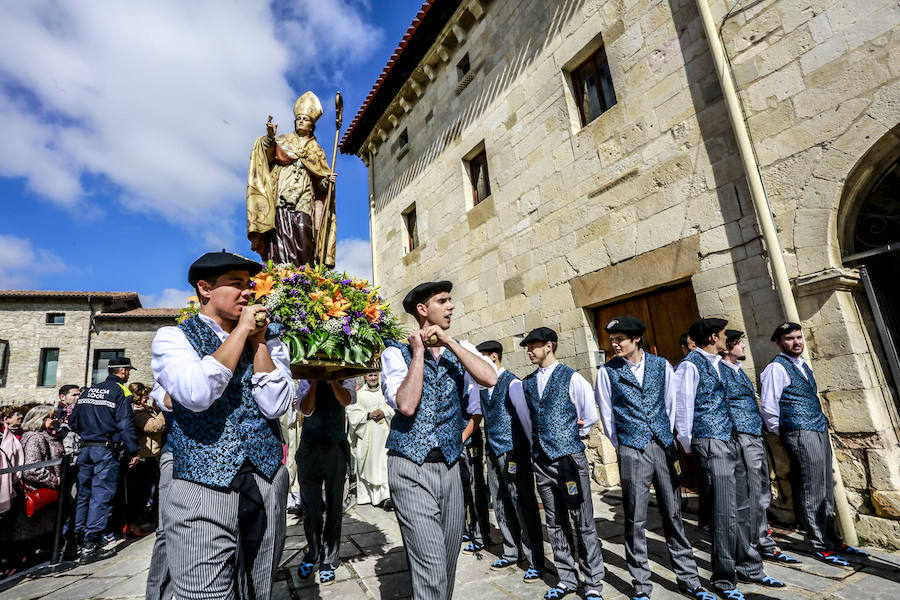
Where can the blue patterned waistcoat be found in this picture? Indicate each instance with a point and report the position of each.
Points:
(210, 446)
(554, 421)
(501, 424)
(438, 421)
(799, 404)
(640, 410)
(711, 416)
(742, 400)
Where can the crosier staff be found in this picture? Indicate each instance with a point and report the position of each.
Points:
(321, 250)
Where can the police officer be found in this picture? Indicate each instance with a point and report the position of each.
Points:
(104, 419)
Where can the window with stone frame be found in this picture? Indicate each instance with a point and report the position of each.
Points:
(56, 318)
(593, 87)
(48, 366)
(479, 178)
(101, 363)
(412, 228)
(4, 361)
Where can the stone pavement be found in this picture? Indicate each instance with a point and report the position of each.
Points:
(375, 567)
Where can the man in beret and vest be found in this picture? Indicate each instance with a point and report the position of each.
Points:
(427, 381)
(636, 398)
(558, 413)
(229, 382)
(748, 422)
(705, 426)
(791, 409)
(510, 475)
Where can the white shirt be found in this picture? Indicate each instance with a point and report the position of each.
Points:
(774, 379)
(580, 394)
(195, 383)
(603, 395)
(394, 371)
(686, 380)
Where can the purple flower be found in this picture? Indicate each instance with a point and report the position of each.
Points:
(346, 281)
(252, 284)
(346, 329)
(305, 330)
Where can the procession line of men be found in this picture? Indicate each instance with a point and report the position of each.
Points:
(229, 380)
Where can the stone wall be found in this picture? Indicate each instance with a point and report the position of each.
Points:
(654, 184)
(135, 336)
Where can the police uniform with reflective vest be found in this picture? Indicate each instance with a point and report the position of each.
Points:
(556, 397)
(104, 419)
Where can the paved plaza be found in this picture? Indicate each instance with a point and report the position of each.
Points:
(374, 566)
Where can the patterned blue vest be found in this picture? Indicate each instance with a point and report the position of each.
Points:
(554, 421)
(711, 416)
(439, 420)
(742, 400)
(501, 424)
(800, 408)
(640, 411)
(210, 446)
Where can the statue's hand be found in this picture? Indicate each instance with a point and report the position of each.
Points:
(271, 128)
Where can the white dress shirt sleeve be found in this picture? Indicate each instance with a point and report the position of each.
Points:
(603, 396)
(275, 391)
(670, 395)
(685, 383)
(158, 394)
(193, 382)
(774, 379)
(393, 372)
(582, 396)
(469, 380)
(517, 397)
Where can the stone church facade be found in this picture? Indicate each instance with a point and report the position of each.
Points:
(564, 162)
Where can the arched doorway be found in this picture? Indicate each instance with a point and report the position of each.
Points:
(871, 236)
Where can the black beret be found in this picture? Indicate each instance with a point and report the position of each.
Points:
(120, 362)
(423, 292)
(733, 335)
(784, 329)
(490, 346)
(213, 264)
(541, 334)
(703, 328)
(627, 325)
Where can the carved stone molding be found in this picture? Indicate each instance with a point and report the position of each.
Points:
(827, 280)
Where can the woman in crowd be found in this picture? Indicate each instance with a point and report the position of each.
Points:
(12, 419)
(143, 479)
(40, 443)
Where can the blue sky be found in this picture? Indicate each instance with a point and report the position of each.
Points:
(125, 129)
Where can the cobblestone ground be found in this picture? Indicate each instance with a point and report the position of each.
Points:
(374, 566)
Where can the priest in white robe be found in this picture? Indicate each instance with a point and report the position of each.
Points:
(370, 423)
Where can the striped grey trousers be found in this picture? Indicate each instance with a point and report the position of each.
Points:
(810, 454)
(428, 502)
(203, 540)
(753, 451)
(159, 581)
(640, 468)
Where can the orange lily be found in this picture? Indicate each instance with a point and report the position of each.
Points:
(264, 284)
(372, 312)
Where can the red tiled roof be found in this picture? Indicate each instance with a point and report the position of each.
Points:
(141, 313)
(419, 37)
(70, 295)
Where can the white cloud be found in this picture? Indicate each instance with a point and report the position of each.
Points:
(167, 298)
(161, 99)
(22, 265)
(355, 257)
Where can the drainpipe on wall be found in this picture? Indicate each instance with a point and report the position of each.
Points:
(371, 173)
(87, 358)
(768, 229)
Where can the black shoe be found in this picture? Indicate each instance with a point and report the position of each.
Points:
(779, 556)
(388, 505)
(92, 552)
(765, 580)
(697, 592)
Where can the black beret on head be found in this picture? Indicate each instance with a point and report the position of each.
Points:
(733, 335)
(784, 329)
(490, 346)
(627, 325)
(422, 292)
(703, 328)
(541, 334)
(213, 264)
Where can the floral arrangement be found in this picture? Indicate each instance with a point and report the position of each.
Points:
(320, 312)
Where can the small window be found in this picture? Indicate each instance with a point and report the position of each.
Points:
(479, 179)
(593, 87)
(56, 318)
(412, 228)
(4, 361)
(101, 363)
(403, 138)
(463, 66)
(48, 367)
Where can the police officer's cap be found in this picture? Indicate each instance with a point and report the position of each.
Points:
(627, 325)
(120, 362)
(703, 328)
(541, 334)
(784, 329)
(213, 264)
(490, 346)
(733, 335)
(422, 292)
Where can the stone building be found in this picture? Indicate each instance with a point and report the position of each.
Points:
(565, 162)
(50, 339)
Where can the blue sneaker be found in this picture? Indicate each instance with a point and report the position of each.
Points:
(697, 592)
(306, 569)
(831, 558)
(500, 564)
(555, 593)
(472, 548)
(845, 549)
(779, 556)
(531, 575)
(765, 581)
(326, 575)
(733, 594)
